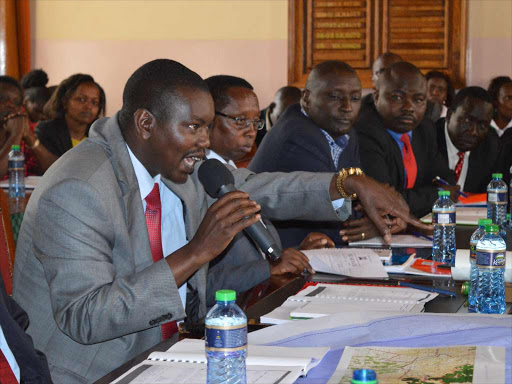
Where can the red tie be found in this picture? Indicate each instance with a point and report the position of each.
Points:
(410, 165)
(458, 167)
(154, 223)
(6, 373)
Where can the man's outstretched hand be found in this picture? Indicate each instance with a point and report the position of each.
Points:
(378, 201)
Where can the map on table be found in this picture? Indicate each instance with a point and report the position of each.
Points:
(441, 365)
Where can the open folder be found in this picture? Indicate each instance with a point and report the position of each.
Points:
(185, 362)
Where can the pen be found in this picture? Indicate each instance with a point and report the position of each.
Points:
(422, 236)
(426, 288)
(444, 182)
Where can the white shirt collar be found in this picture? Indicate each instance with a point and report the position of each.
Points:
(499, 131)
(146, 182)
(453, 158)
(214, 155)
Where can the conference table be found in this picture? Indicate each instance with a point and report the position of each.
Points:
(270, 294)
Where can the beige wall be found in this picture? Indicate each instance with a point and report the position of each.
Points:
(111, 38)
(489, 46)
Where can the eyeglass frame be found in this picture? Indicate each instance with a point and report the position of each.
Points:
(248, 121)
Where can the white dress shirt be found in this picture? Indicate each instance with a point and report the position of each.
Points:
(174, 235)
(214, 155)
(4, 347)
(453, 158)
(499, 131)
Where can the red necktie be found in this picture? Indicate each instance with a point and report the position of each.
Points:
(6, 373)
(154, 224)
(410, 165)
(458, 167)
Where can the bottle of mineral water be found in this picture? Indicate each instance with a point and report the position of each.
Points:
(443, 218)
(490, 261)
(16, 167)
(364, 376)
(226, 340)
(497, 199)
(473, 275)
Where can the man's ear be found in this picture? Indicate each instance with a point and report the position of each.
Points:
(144, 123)
(304, 100)
(448, 116)
(376, 96)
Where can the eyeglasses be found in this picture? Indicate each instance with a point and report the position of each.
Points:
(243, 122)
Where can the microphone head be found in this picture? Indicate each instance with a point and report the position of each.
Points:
(213, 175)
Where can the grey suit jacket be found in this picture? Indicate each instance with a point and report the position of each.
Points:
(84, 270)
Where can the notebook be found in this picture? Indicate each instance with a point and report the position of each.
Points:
(465, 215)
(420, 267)
(326, 299)
(185, 362)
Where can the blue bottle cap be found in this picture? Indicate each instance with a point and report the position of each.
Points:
(366, 376)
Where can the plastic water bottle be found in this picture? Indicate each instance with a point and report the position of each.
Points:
(364, 376)
(226, 340)
(508, 237)
(490, 260)
(16, 166)
(473, 275)
(497, 199)
(443, 218)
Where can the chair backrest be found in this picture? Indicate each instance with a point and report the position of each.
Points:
(7, 246)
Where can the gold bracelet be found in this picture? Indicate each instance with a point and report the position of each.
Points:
(36, 144)
(340, 181)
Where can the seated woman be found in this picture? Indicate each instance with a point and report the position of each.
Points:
(35, 95)
(15, 130)
(73, 107)
(440, 91)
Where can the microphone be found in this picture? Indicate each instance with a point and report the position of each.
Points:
(217, 181)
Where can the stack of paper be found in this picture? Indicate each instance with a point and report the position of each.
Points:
(351, 262)
(397, 241)
(327, 299)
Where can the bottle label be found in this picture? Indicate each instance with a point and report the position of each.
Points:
(443, 218)
(14, 165)
(497, 197)
(472, 252)
(490, 259)
(226, 338)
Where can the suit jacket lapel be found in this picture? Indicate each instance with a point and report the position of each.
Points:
(134, 210)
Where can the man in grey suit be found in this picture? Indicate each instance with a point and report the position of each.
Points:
(85, 267)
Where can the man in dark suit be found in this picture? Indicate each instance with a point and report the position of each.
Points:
(466, 143)
(315, 136)
(24, 363)
(398, 145)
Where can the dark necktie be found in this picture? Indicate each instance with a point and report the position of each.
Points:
(6, 373)
(458, 166)
(154, 224)
(409, 160)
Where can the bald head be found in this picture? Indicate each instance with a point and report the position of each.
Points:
(401, 73)
(382, 63)
(332, 97)
(327, 69)
(401, 97)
